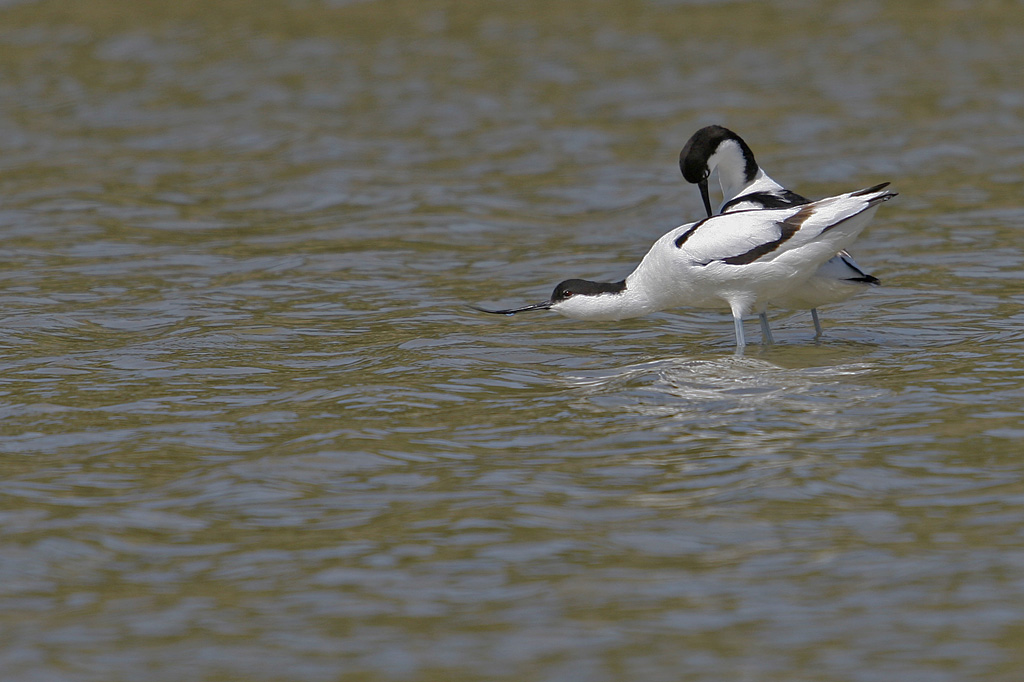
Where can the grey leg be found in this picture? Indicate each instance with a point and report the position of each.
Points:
(817, 323)
(741, 341)
(766, 331)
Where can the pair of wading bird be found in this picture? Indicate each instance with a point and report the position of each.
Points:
(767, 246)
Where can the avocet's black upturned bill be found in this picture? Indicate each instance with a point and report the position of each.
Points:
(745, 186)
(741, 260)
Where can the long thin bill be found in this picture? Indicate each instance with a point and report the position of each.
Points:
(512, 311)
(703, 184)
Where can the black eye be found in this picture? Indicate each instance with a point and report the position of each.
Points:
(566, 294)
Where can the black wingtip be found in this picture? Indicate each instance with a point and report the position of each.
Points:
(871, 190)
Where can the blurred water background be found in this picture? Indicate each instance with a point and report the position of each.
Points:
(249, 429)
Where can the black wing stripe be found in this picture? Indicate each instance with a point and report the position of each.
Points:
(851, 217)
(681, 239)
(767, 200)
(787, 228)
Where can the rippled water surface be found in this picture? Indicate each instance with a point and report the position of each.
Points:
(250, 430)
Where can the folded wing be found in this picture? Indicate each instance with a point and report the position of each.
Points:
(745, 237)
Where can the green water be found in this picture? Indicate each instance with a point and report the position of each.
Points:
(249, 429)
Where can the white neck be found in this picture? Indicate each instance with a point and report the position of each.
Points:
(728, 160)
(630, 302)
(760, 183)
(654, 285)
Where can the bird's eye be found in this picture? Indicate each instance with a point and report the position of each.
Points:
(566, 294)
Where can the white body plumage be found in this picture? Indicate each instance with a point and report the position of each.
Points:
(742, 260)
(745, 186)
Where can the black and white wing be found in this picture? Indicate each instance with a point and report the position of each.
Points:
(745, 237)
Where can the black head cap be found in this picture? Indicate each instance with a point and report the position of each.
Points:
(584, 287)
(693, 159)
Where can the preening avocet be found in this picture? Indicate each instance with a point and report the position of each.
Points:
(740, 260)
(746, 186)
